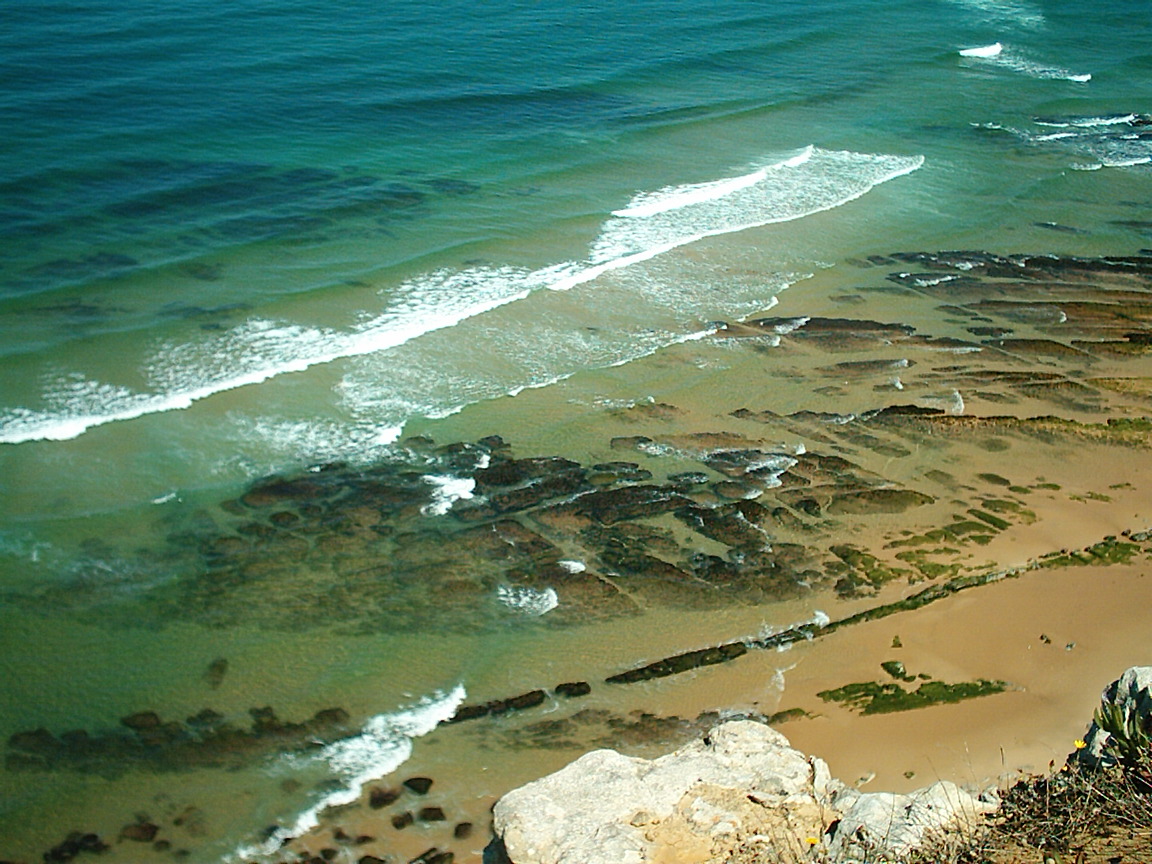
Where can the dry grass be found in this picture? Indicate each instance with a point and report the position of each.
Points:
(1076, 815)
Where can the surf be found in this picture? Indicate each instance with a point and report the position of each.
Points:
(801, 184)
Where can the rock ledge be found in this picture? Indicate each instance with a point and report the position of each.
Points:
(716, 799)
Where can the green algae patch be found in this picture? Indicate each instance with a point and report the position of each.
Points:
(896, 669)
(960, 531)
(987, 518)
(995, 479)
(1107, 551)
(786, 715)
(871, 697)
(1003, 506)
(866, 570)
(918, 558)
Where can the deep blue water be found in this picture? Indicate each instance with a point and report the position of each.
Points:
(245, 237)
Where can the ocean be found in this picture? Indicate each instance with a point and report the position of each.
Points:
(262, 237)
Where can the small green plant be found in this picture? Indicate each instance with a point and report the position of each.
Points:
(1128, 735)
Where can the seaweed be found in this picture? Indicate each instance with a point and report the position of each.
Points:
(870, 697)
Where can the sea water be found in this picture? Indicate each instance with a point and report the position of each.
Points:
(254, 237)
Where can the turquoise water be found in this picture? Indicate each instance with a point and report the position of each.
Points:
(258, 236)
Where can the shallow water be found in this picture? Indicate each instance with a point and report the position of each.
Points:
(258, 239)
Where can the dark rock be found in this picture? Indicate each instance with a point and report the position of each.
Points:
(141, 720)
(265, 721)
(161, 846)
(517, 472)
(216, 671)
(681, 663)
(162, 735)
(378, 798)
(631, 442)
(903, 411)
(402, 820)
(688, 479)
(809, 506)
(470, 712)
(419, 785)
(426, 856)
(36, 741)
(629, 502)
(207, 717)
(141, 832)
(91, 843)
(878, 501)
(284, 519)
(538, 491)
(74, 844)
(277, 490)
(834, 329)
(330, 717)
(372, 859)
(853, 368)
(735, 525)
(328, 853)
(526, 700)
(731, 490)
(573, 689)
(462, 831)
(431, 814)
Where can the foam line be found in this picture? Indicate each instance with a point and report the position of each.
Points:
(383, 746)
(984, 51)
(805, 183)
(649, 204)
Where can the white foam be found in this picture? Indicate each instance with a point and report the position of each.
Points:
(1016, 61)
(818, 620)
(1090, 122)
(260, 350)
(179, 375)
(984, 51)
(1128, 163)
(675, 197)
(787, 327)
(447, 490)
(952, 403)
(268, 443)
(822, 180)
(383, 746)
(573, 566)
(530, 601)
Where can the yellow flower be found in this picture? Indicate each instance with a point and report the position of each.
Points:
(1079, 743)
(812, 841)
